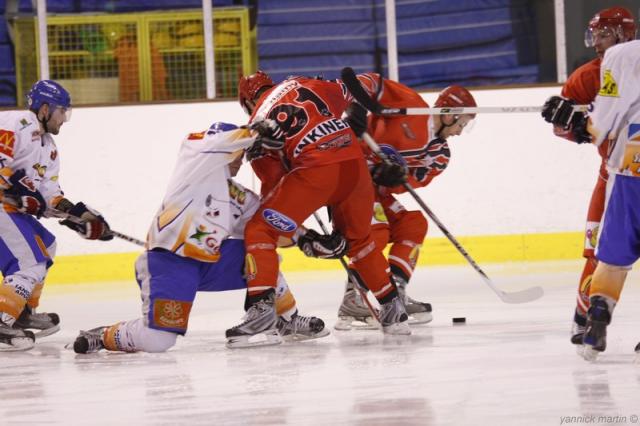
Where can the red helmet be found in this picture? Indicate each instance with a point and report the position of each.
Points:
(455, 96)
(618, 20)
(248, 88)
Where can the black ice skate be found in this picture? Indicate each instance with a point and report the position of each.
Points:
(15, 339)
(89, 341)
(301, 328)
(595, 335)
(259, 327)
(394, 318)
(45, 324)
(419, 312)
(353, 312)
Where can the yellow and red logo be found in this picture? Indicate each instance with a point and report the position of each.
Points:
(7, 142)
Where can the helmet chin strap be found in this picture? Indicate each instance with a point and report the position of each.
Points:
(44, 122)
(443, 125)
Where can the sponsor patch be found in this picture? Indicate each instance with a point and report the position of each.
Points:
(171, 313)
(278, 220)
(7, 142)
(196, 136)
(40, 169)
(609, 86)
(591, 235)
(250, 268)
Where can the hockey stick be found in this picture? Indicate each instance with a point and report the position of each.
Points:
(522, 296)
(62, 215)
(349, 78)
(352, 277)
(350, 274)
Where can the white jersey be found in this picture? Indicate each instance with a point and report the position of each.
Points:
(24, 146)
(203, 206)
(616, 109)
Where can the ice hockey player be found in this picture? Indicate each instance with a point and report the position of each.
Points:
(418, 143)
(606, 29)
(195, 244)
(324, 166)
(615, 117)
(29, 165)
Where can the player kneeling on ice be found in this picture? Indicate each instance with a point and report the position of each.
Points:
(194, 244)
(29, 166)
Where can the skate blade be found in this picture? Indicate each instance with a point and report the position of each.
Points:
(420, 318)
(589, 354)
(302, 337)
(47, 331)
(397, 329)
(17, 344)
(268, 338)
(351, 323)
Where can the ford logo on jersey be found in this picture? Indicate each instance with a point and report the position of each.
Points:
(278, 220)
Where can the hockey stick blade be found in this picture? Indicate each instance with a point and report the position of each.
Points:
(522, 296)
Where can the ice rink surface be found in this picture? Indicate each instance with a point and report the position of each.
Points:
(509, 365)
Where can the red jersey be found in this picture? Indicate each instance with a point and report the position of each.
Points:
(309, 111)
(409, 135)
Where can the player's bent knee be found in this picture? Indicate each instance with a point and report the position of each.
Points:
(152, 340)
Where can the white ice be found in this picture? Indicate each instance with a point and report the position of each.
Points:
(509, 365)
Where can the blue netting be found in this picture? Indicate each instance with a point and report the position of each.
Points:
(469, 41)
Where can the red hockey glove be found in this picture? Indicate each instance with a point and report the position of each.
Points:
(93, 226)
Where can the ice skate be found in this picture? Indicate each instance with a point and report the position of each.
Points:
(15, 339)
(89, 341)
(45, 323)
(595, 335)
(258, 329)
(394, 318)
(577, 328)
(419, 312)
(353, 312)
(301, 328)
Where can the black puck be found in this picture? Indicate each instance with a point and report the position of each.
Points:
(459, 320)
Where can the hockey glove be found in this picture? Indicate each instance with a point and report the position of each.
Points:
(91, 226)
(23, 191)
(323, 246)
(559, 111)
(270, 135)
(357, 118)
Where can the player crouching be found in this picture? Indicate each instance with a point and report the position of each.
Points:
(195, 244)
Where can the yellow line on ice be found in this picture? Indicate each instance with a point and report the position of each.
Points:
(436, 251)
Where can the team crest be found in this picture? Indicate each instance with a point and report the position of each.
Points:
(40, 169)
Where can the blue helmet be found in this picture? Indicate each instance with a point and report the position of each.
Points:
(48, 92)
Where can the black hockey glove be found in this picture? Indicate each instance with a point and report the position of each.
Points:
(91, 226)
(270, 135)
(559, 111)
(389, 174)
(357, 118)
(323, 246)
(23, 191)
